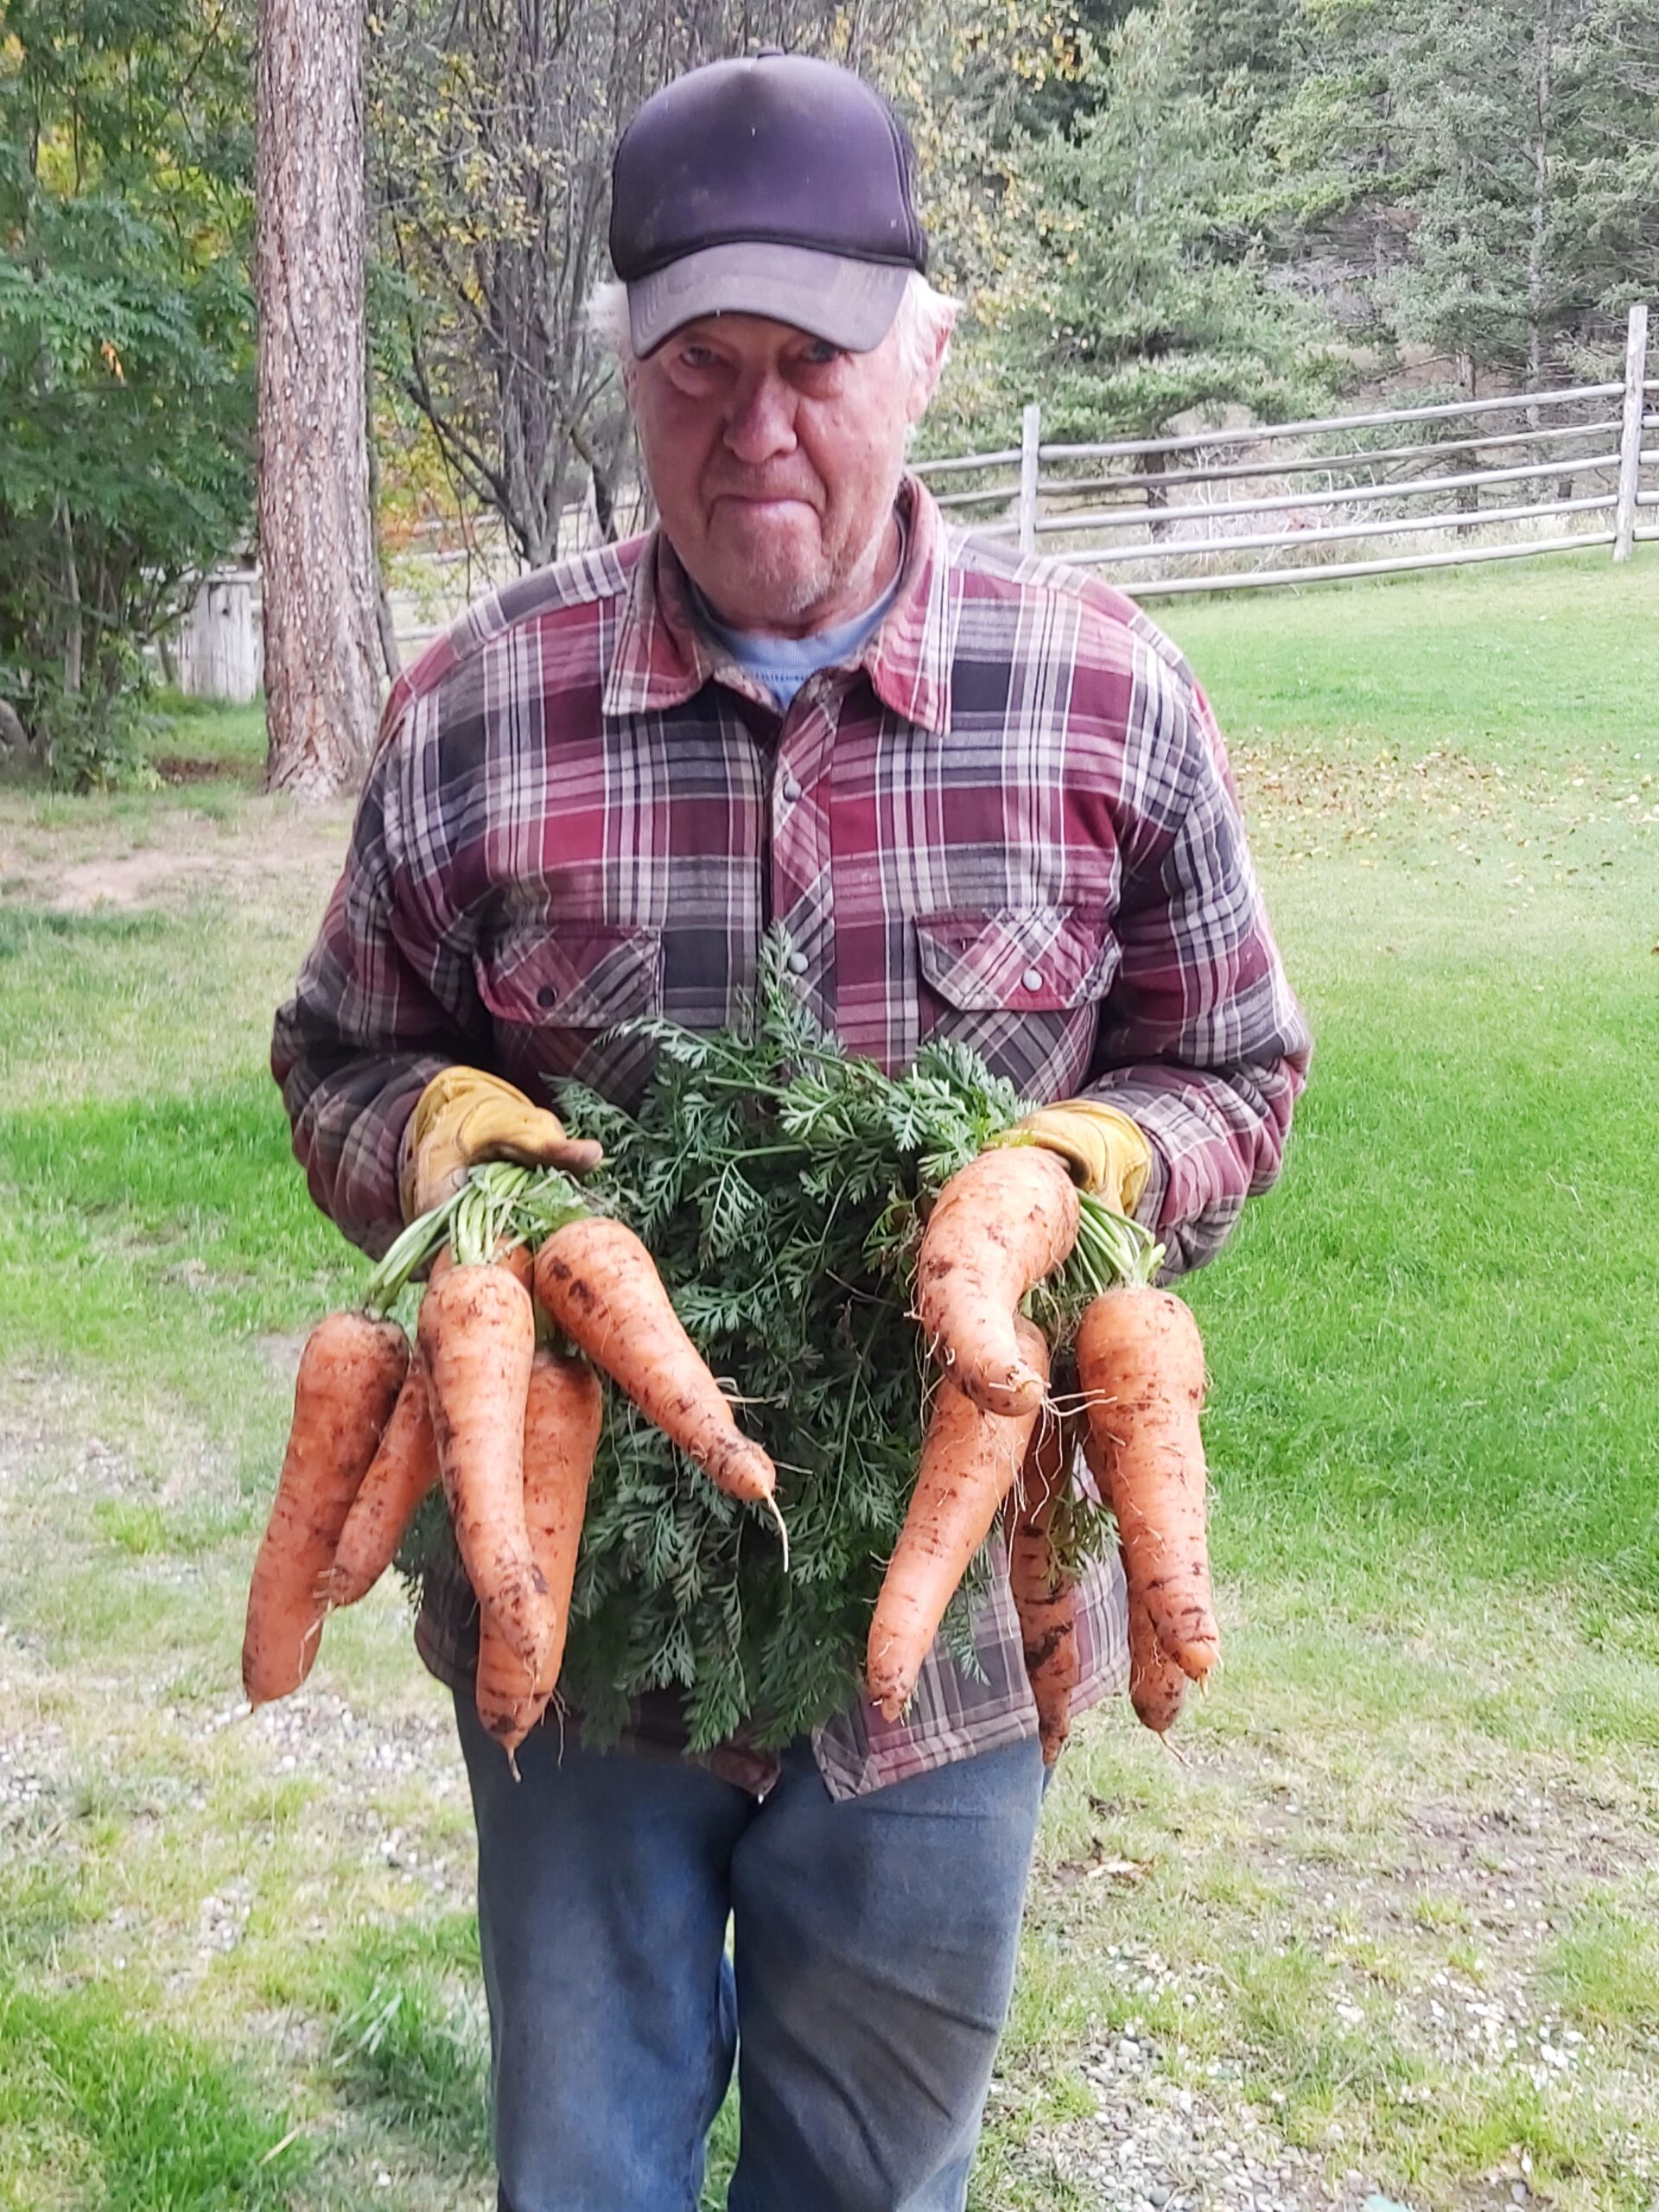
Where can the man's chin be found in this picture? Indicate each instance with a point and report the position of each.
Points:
(762, 592)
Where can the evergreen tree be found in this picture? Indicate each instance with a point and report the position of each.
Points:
(1146, 289)
(1482, 178)
(1609, 228)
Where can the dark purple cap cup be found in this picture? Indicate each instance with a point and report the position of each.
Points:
(774, 186)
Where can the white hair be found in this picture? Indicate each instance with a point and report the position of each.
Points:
(923, 324)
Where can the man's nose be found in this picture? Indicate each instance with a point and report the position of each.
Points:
(761, 425)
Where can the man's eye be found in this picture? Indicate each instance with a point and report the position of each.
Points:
(696, 357)
(820, 354)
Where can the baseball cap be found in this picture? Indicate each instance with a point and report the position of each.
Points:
(776, 185)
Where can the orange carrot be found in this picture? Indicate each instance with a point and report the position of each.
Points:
(1045, 1592)
(561, 1418)
(350, 1373)
(477, 1338)
(997, 1228)
(1156, 1684)
(600, 1285)
(516, 1257)
(404, 1470)
(1140, 1369)
(970, 1460)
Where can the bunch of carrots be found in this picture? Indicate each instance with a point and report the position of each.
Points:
(1003, 1227)
(498, 1403)
(530, 1297)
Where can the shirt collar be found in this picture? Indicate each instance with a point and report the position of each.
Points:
(660, 658)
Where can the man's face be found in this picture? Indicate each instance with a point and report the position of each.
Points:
(774, 458)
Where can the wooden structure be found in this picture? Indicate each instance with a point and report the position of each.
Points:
(1358, 495)
(217, 651)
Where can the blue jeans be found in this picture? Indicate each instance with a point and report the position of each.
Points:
(873, 1961)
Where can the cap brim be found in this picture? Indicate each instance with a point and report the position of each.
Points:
(847, 303)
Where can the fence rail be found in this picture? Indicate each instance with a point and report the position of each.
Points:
(1183, 505)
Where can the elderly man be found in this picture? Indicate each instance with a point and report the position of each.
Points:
(988, 801)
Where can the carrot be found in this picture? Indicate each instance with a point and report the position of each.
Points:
(516, 1257)
(1156, 1683)
(1140, 1369)
(969, 1459)
(1045, 1592)
(477, 1338)
(997, 1228)
(600, 1285)
(519, 1261)
(350, 1373)
(402, 1471)
(561, 1418)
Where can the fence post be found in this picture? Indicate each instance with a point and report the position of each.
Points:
(1630, 444)
(1030, 437)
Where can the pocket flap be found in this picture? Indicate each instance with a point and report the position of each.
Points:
(1045, 959)
(553, 975)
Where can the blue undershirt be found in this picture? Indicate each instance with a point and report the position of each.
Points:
(781, 666)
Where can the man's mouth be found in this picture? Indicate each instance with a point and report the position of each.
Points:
(766, 502)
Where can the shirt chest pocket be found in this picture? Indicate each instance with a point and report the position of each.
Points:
(554, 991)
(1022, 985)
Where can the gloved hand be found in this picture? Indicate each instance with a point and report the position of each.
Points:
(464, 1117)
(1104, 1149)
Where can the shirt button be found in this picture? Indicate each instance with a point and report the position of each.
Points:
(547, 995)
(792, 790)
(797, 963)
(1032, 979)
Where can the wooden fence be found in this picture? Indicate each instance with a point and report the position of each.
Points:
(1406, 487)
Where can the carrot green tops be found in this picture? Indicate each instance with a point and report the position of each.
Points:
(1007, 818)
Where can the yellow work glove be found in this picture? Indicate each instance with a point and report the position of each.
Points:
(1104, 1149)
(464, 1117)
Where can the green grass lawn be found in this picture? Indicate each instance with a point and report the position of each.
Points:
(1388, 1923)
(1453, 793)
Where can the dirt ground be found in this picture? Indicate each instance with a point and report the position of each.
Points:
(290, 854)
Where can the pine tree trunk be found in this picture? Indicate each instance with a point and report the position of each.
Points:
(1538, 239)
(324, 664)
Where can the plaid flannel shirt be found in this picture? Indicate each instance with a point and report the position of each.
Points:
(1010, 821)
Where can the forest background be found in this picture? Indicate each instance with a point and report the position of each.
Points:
(1153, 213)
